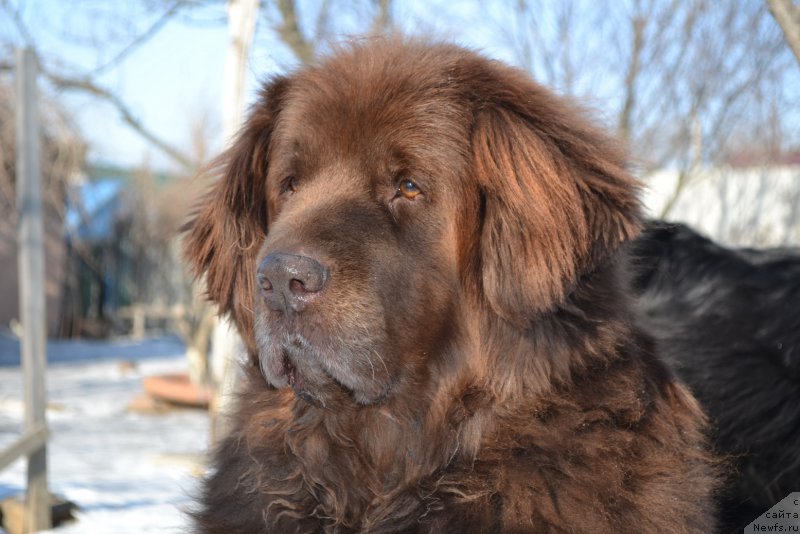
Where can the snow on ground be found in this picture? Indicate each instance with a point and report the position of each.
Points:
(127, 472)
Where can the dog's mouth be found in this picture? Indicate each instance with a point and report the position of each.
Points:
(299, 383)
(293, 376)
(295, 365)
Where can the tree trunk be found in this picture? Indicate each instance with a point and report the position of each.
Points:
(787, 15)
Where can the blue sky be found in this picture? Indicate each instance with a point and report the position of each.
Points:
(176, 77)
(167, 82)
(171, 80)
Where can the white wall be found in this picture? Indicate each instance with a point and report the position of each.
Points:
(739, 207)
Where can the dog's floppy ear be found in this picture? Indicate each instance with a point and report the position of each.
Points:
(224, 236)
(558, 197)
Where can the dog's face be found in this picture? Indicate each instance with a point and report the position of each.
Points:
(373, 198)
(358, 275)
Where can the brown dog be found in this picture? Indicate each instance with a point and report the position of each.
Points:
(422, 251)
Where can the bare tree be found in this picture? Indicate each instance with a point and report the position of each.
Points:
(307, 33)
(51, 67)
(124, 31)
(685, 79)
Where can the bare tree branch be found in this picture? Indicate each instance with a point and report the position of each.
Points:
(290, 33)
(638, 21)
(88, 86)
(141, 38)
(16, 18)
(565, 24)
(323, 22)
(383, 19)
(680, 186)
(534, 48)
(373, 16)
(787, 15)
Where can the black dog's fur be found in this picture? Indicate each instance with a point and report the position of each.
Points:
(727, 321)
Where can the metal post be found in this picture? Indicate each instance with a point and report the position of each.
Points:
(31, 287)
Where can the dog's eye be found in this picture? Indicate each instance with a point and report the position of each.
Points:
(408, 189)
(289, 184)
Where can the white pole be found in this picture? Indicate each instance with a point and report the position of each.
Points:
(31, 287)
(242, 17)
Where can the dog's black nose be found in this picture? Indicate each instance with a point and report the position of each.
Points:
(289, 282)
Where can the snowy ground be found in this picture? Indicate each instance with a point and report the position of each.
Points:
(128, 472)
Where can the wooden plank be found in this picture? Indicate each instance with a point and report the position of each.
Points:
(31, 276)
(25, 445)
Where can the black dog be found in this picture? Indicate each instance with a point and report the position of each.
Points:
(728, 322)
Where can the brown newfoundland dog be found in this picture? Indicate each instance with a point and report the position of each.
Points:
(422, 250)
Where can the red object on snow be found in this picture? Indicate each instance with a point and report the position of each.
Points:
(177, 389)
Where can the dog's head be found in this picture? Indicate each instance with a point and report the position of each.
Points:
(370, 199)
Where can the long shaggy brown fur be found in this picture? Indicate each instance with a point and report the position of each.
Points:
(466, 360)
